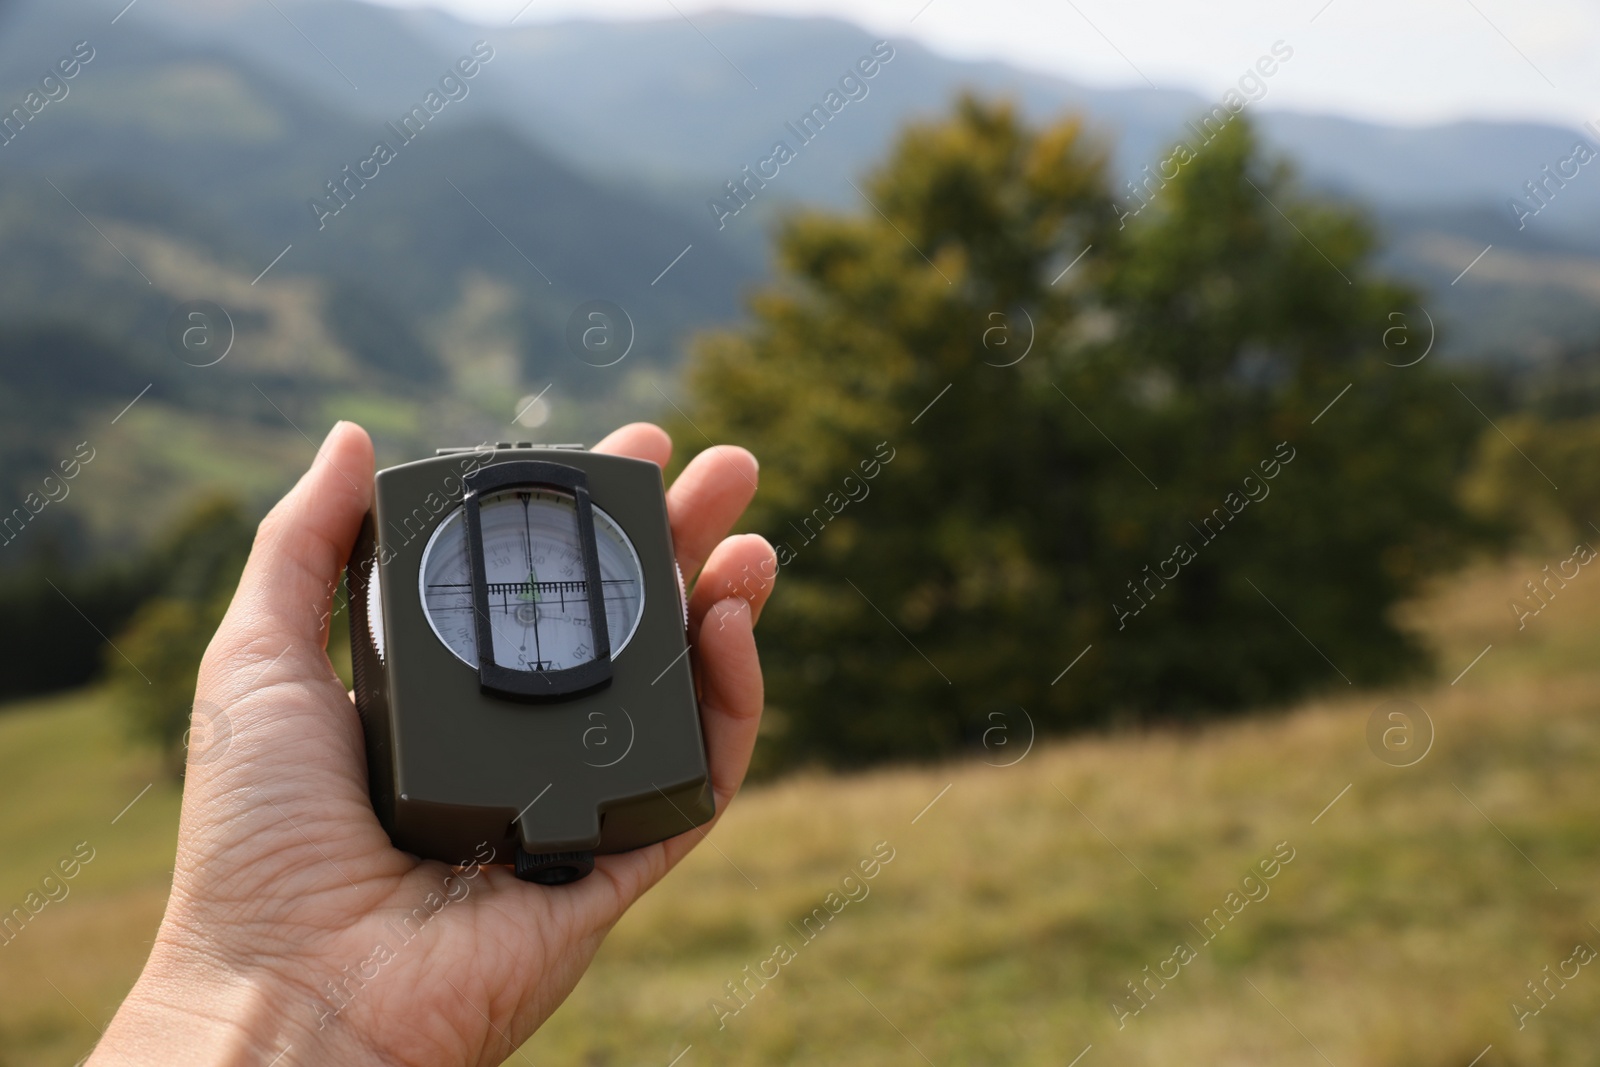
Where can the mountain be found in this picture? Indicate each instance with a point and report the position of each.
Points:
(437, 295)
(430, 298)
(679, 109)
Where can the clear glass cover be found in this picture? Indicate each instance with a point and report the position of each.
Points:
(538, 593)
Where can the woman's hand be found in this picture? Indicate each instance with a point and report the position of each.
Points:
(279, 946)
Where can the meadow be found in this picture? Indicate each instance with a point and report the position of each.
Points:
(1020, 901)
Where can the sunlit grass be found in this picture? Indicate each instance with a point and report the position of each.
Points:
(1007, 922)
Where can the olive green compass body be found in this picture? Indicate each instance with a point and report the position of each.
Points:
(518, 636)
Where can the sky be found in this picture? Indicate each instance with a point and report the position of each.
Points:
(1404, 62)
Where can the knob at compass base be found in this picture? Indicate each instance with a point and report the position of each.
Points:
(554, 868)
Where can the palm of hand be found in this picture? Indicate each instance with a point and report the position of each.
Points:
(286, 882)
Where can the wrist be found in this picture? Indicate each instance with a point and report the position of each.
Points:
(190, 1007)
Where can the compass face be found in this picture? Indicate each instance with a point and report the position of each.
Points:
(538, 592)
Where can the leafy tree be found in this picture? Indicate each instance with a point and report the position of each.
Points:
(157, 656)
(1036, 362)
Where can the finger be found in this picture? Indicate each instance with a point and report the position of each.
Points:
(301, 547)
(730, 709)
(707, 499)
(731, 693)
(730, 672)
(641, 440)
(730, 717)
(744, 566)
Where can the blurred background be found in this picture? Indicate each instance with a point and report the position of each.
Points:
(1174, 426)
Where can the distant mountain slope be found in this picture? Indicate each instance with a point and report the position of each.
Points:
(427, 306)
(656, 99)
(660, 113)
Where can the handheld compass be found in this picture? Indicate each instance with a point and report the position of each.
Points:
(518, 635)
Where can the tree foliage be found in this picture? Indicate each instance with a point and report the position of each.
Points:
(1068, 393)
(155, 659)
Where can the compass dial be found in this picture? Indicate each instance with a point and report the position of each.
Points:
(538, 592)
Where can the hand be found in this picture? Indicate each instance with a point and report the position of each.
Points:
(285, 882)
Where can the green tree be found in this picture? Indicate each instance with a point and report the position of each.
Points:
(1035, 362)
(157, 656)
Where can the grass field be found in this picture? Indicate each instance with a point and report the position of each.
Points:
(1418, 901)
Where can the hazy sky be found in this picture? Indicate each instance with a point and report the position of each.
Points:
(1400, 61)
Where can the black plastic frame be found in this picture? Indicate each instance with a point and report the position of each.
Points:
(536, 685)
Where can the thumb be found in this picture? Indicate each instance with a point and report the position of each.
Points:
(282, 603)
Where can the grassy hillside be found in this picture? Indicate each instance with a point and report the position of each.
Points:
(1007, 921)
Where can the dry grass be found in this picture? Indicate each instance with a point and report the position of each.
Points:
(1006, 922)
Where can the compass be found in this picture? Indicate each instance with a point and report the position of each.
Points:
(519, 648)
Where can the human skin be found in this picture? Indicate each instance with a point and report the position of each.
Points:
(284, 877)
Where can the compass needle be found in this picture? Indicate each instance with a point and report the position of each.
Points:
(523, 535)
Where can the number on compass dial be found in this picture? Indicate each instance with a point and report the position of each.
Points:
(538, 592)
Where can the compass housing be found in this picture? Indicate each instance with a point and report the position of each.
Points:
(606, 757)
